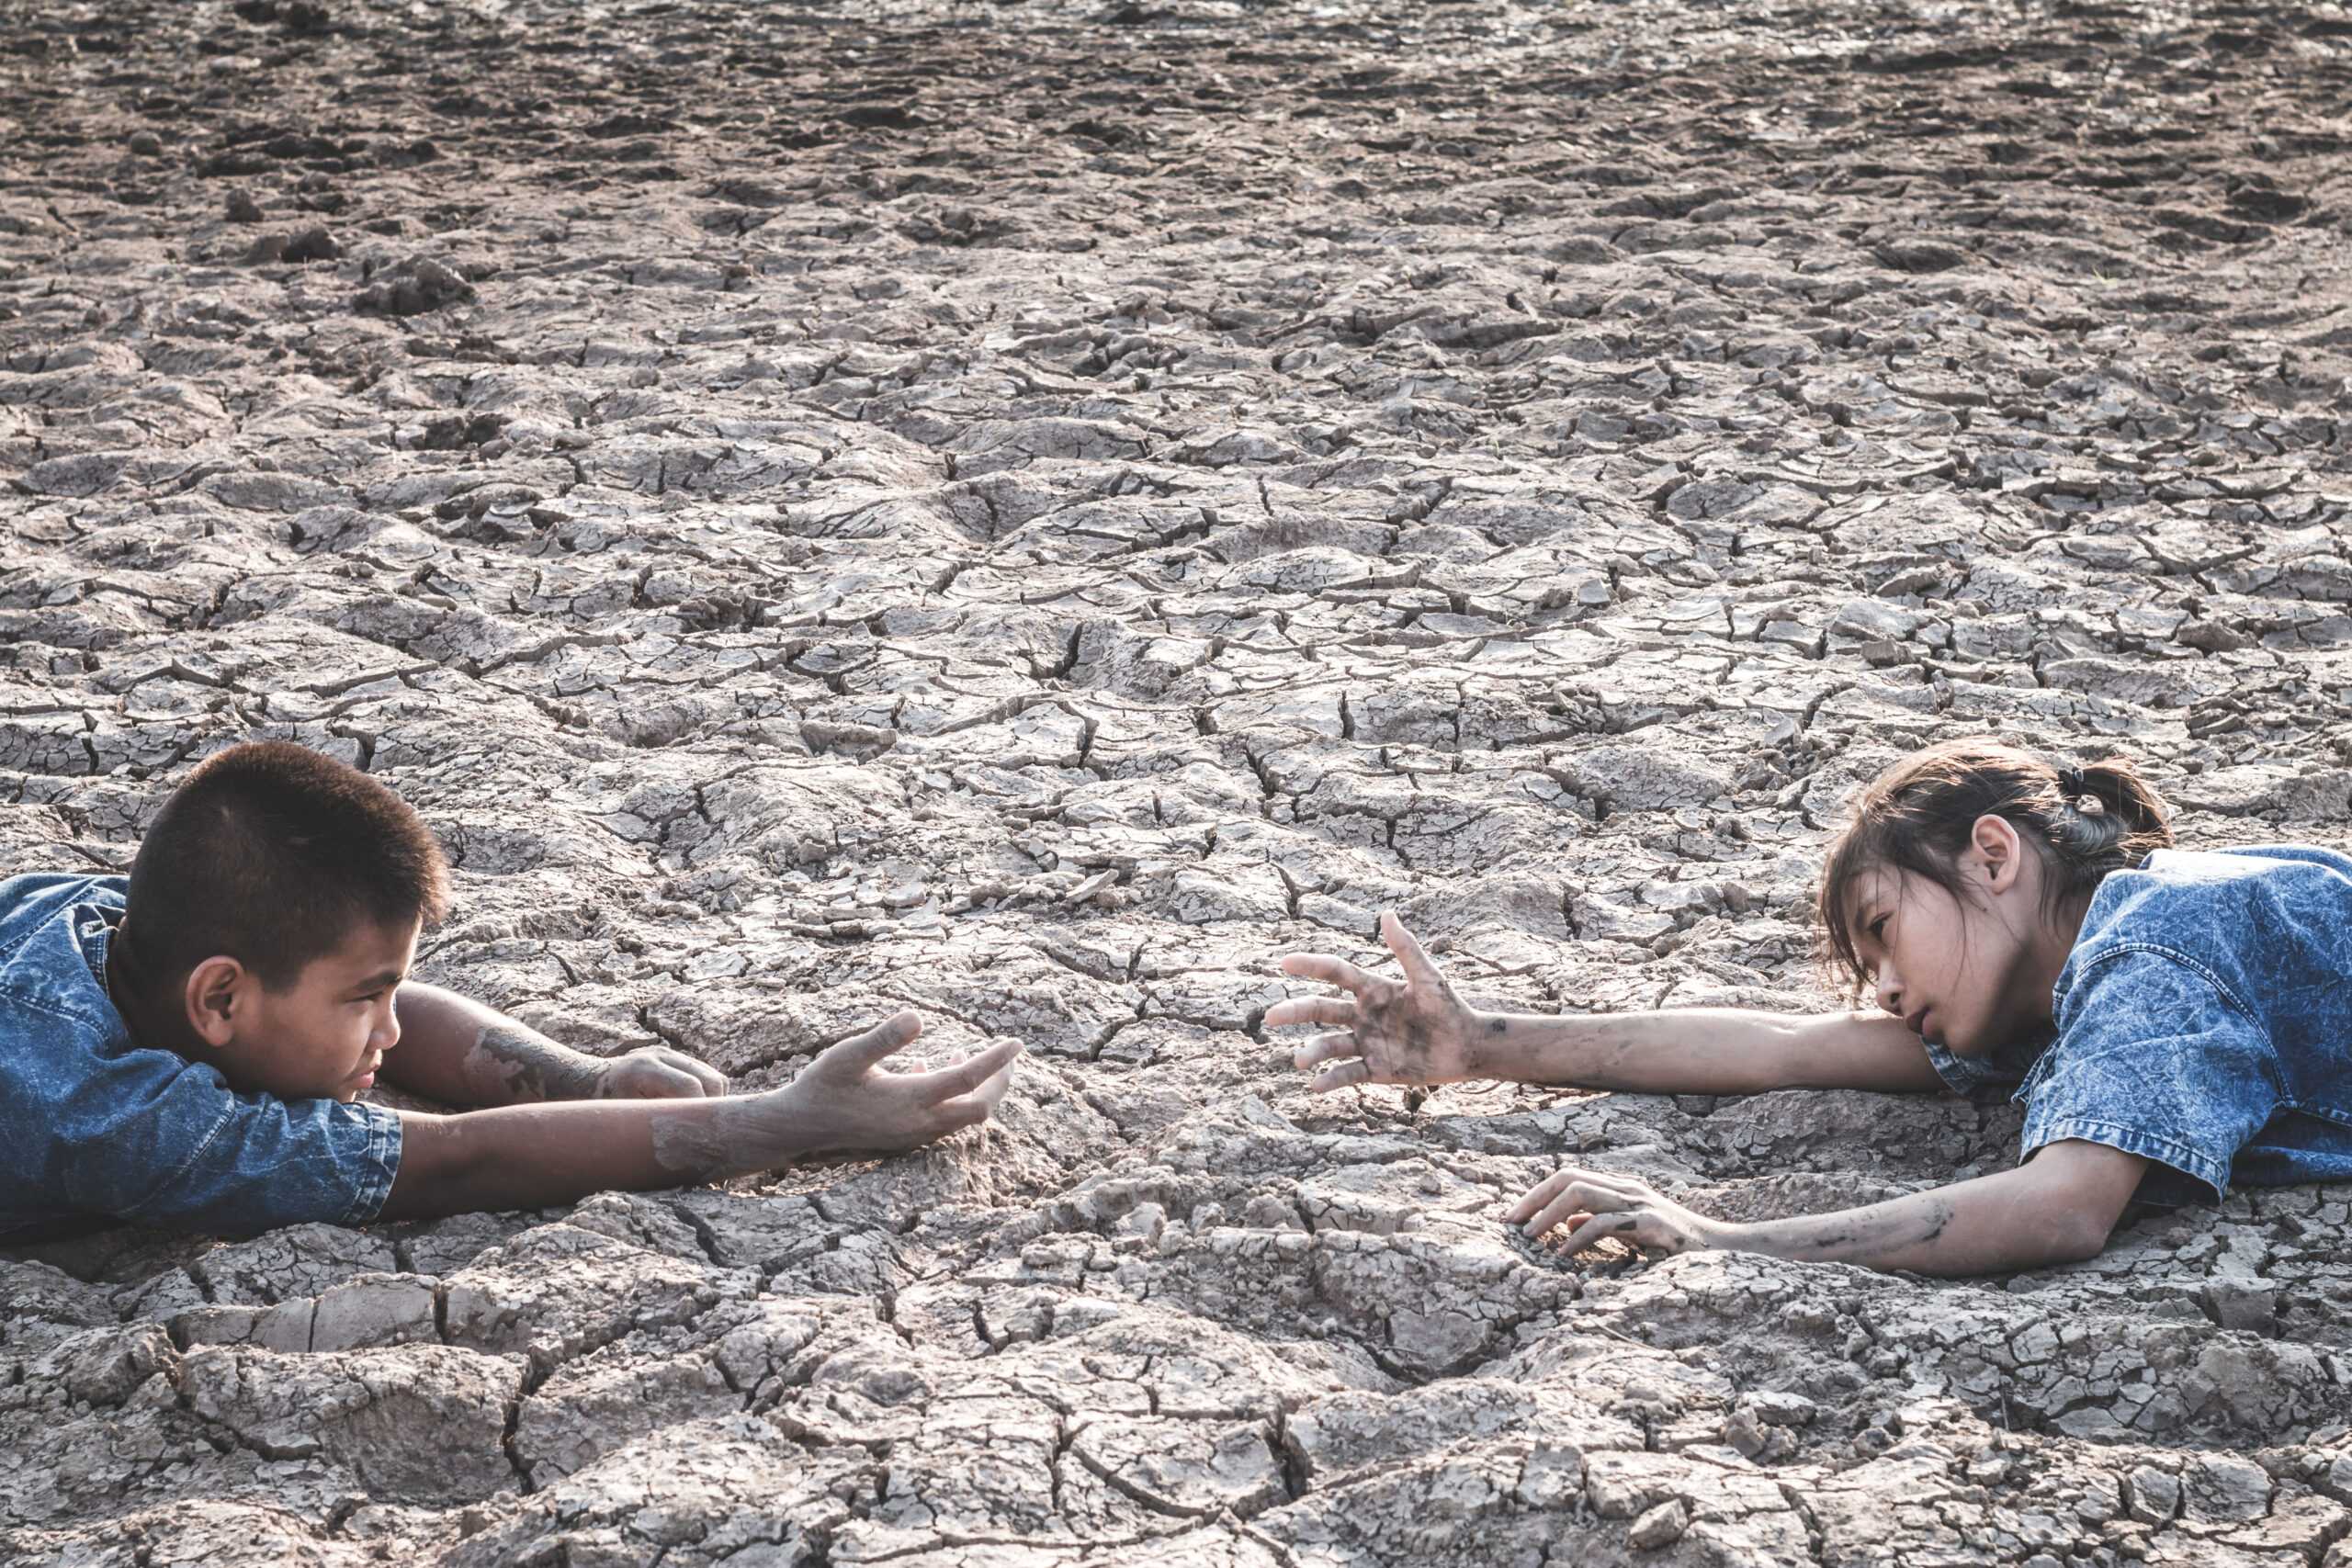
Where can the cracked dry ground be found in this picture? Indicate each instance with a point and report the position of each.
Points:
(1029, 513)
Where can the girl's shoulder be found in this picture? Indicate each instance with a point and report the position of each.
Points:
(2226, 910)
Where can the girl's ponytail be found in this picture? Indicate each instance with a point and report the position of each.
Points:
(2123, 793)
(2086, 823)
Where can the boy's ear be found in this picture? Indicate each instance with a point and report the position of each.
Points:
(214, 991)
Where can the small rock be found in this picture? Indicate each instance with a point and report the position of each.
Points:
(416, 286)
(243, 208)
(2243, 1306)
(1662, 1526)
(146, 143)
(2152, 1495)
(307, 245)
(1745, 1433)
(2225, 1487)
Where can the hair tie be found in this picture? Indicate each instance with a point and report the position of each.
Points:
(2070, 784)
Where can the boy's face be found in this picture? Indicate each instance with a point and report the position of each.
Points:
(324, 1037)
(1964, 971)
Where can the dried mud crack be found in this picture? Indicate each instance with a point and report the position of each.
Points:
(1029, 511)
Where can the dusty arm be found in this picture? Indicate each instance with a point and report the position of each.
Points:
(2056, 1208)
(458, 1051)
(1418, 1031)
(525, 1157)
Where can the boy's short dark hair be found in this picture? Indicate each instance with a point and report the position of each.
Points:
(275, 854)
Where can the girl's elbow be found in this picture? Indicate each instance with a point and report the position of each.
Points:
(2079, 1234)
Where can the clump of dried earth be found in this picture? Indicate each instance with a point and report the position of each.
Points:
(1028, 513)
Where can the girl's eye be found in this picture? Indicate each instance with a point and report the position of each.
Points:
(1878, 929)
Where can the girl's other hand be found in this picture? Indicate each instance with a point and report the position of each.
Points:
(1596, 1206)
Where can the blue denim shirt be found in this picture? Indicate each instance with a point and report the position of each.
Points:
(94, 1126)
(2204, 1020)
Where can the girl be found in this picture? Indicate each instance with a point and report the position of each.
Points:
(2171, 1020)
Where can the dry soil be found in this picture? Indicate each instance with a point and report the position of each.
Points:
(1029, 511)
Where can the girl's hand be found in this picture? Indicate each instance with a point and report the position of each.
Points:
(1413, 1033)
(1596, 1206)
(656, 1072)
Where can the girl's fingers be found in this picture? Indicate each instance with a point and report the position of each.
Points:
(1575, 1198)
(1601, 1227)
(1329, 970)
(1341, 1077)
(1537, 1196)
(1326, 1048)
(1609, 1181)
(1415, 964)
(1336, 1010)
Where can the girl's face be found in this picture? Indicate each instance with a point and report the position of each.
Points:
(1967, 971)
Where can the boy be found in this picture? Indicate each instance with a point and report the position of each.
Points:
(184, 1050)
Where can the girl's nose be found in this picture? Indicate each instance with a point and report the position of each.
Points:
(1889, 990)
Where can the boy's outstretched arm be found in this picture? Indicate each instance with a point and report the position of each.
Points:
(454, 1050)
(2056, 1208)
(1417, 1030)
(526, 1156)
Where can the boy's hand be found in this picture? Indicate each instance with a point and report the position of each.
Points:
(1595, 1205)
(656, 1072)
(1416, 1032)
(844, 1103)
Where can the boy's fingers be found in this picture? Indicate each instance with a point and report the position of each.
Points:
(1311, 1010)
(1415, 964)
(712, 1081)
(860, 1053)
(968, 1074)
(1325, 1048)
(978, 1106)
(1329, 970)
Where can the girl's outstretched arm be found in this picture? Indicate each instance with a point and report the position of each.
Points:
(1417, 1030)
(2058, 1207)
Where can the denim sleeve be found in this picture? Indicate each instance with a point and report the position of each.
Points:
(175, 1147)
(1992, 1079)
(2152, 1059)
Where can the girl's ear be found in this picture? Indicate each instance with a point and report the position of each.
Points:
(1995, 843)
(212, 999)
